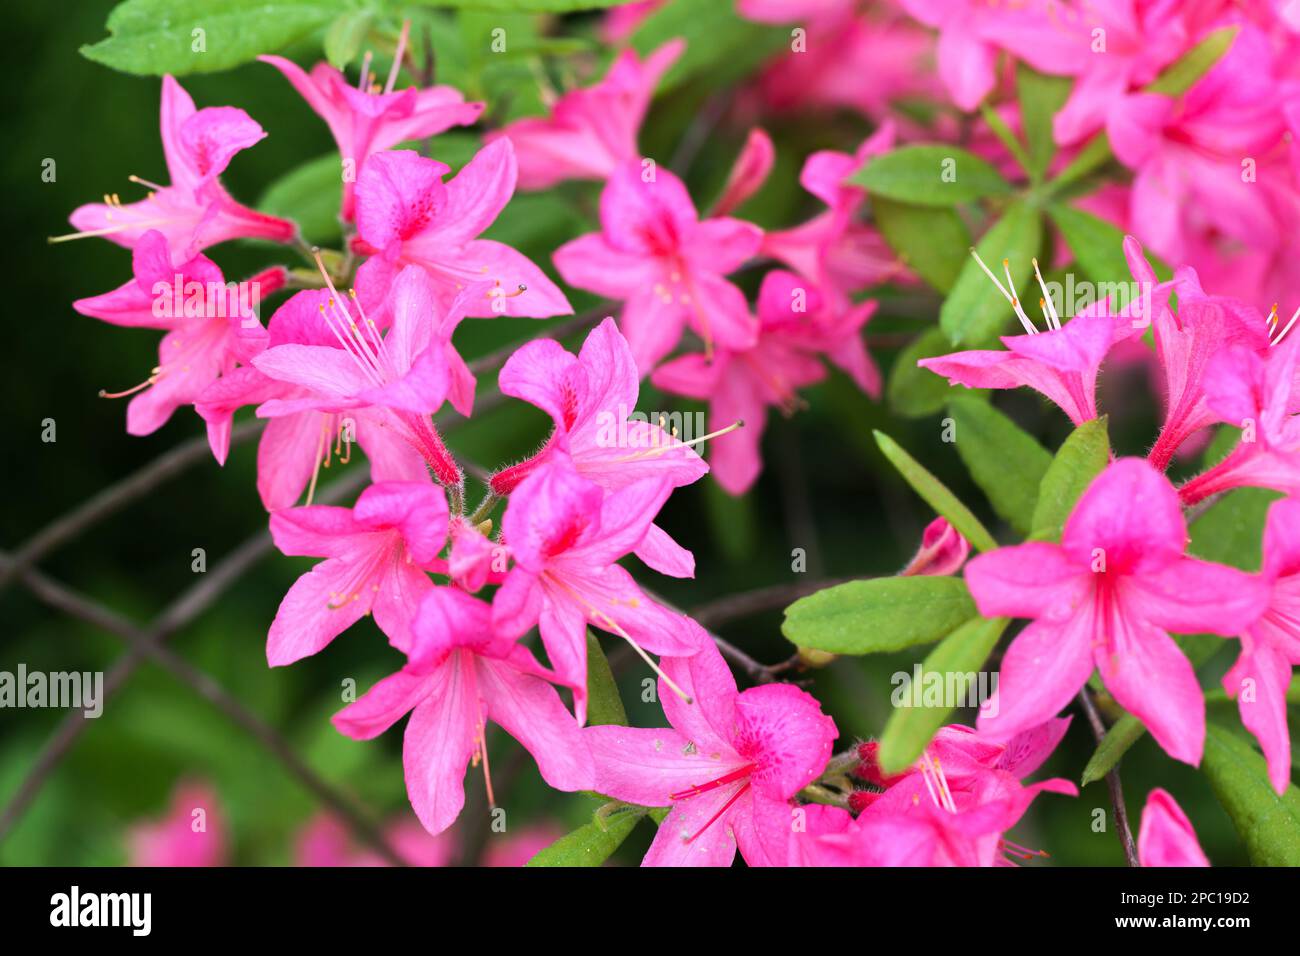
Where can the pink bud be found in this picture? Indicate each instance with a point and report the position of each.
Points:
(943, 550)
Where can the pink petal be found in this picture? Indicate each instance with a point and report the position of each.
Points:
(1028, 580)
(647, 766)
(440, 739)
(382, 706)
(1166, 837)
(783, 730)
(1131, 512)
(317, 609)
(1041, 672)
(1259, 681)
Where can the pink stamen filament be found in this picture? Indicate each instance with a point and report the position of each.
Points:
(731, 776)
(714, 819)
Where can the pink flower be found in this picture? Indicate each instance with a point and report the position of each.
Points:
(325, 841)
(943, 550)
(407, 215)
(195, 211)
(193, 833)
(365, 121)
(590, 131)
(1271, 645)
(1063, 362)
(376, 556)
(296, 445)
(1253, 391)
(1166, 837)
(397, 379)
(565, 534)
(728, 757)
(209, 329)
(665, 263)
(953, 807)
(1106, 597)
(739, 385)
(461, 673)
(589, 397)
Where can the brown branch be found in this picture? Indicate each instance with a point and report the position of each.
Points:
(115, 497)
(1112, 782)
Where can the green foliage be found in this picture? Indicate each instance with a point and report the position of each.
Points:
(604, 706)
(930, 176)
(975, 310)
(930, 240)
(883, 614)
(1006, 461)
(1081, 458)
(916, 392)
(593, 843)
(936, 494)
(1268, 823)
(1195, 63)
(1041, 98)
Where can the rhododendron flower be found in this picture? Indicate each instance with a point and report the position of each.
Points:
(727, 757)
(193, 832)
(1253, 391)
(589, 397)
(1106, 597)
(460, 674)
(325, 841)
(296, 445)
(407, 215)
(565, 535)
(833, 250)
(363, 121)
(1186, 340)
(953, 806)
(666, 264)
(739, 385)
(403, 375)
(212, 331)
(1166, 837)
(376, 555)
(195, 211)
(590, 131)
(943, 550)
(1271, 645)
(1062, 362)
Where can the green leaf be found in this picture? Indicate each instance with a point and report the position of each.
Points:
(916, 392)
(604, 706)
(1041, 98)
(1006, 462)
(930, 176)
(931, 240)
(936, 494)
(595, 842)
(309, 195)
(1194, 64)
(1080, 459)
(1123, 734)
(1269, 824)
(153, 37)
(522, 6)
(975, 310)
(963, 652)
(1097, 245)
(344, 37)
(882, 614)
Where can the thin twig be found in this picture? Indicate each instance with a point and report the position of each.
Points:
(718, 612)
(1112, 782)
(76, 605)
(115, 497)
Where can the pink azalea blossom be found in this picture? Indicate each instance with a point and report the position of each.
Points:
(376, 555)
(589, 397)
(193, 832)
(590, 132)
(195, 211)
(666, 264)
(460, 674)
(1166, 837)
(1271, 645)
(407, 215)
(325, 841)
(740, 385)
(1062, 362)
(1106, 597)
(565, 535)
(295, 446)
(206, 338)
(399, 378)
(727, 757)
(365, 121)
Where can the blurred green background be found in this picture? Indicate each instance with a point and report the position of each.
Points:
(826, 488)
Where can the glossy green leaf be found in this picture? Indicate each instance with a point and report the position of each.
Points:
(1122, 735)
(604, 706)
(975, 310)
(595, 842)
(882, 614)
(1269, 824)
(930, 176)
(932, 241)
(936, 494)
(1080, 459)
(344, 37)
(956, 659)
(1004, 460)
(1097, 245)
